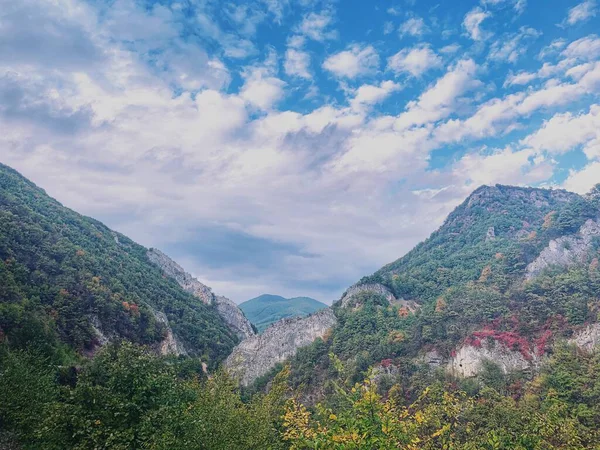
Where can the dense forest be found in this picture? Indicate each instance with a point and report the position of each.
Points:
(365, 385)
(65, 277)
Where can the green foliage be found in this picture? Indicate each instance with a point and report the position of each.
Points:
(61, 272)
(443, 417)
(127, 398)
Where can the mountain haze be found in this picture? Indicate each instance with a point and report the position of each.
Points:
(267, 309)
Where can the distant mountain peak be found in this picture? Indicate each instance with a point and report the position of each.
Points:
(267, 309)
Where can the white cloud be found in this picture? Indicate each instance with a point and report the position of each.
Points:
(472, 23)
(520, 78)
(450, 49)
(581, 13)
(369, 94)
(414, 26)
(356, 61)
(316, 26)
(584, 180)
(415, 61)
(507, 166)
(518, 5)
(501, 115)
(566, 131)
(512, 46)
(440, 99)
(555, 46)
(138, 127)
(297, 63)
(388, 27)
(587, 48)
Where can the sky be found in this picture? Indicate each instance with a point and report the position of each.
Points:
(294, 146)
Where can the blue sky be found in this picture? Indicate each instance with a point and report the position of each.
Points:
(293, 147)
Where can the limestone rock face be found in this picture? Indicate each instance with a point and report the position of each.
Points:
(588, 338)
(256, 355)
(468, 361)
(171, 269)
(566, 250)
(169, 345)
(373, 288)
(232, 315)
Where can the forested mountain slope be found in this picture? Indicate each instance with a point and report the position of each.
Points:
(68, 279)
(267, 309)
(511, 272)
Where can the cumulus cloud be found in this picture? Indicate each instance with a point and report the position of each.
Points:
(441, 98)
(369, 94)
(581, 12)
(510, 47)
(472, 23)
(175, 138)
(586, 48)
(317, 26)
(414, 26)
(582, 181)
(356, 61)
(415, 61)
(297, 63)
(566, 131)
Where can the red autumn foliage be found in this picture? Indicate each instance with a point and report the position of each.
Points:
(386, 363)
(541, 343)
(509, 339)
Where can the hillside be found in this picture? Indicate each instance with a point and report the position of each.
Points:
(510, 273)
(66, 279)
(267, 309)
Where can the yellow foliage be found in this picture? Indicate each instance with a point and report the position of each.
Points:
(548, 220)
(440, 304)
(485, 274)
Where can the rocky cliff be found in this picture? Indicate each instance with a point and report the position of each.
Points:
(258, 354)
(468, 360)
(369, 288)
(232, 315)
(566, 250)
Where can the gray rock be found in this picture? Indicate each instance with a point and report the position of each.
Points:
(468, 361)
(258, 354)
(433, 359)
(171, 269)
(588, 338)
(566, 251)
(169, 345)
(372, 288)
(232, 315)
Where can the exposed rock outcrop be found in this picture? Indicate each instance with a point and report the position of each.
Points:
(258, 354)
(372, 288)
(171, 269)
(469, 360)
(433, 359)
(588, 338)
(567, 250)
(169, 345)
(232, 315)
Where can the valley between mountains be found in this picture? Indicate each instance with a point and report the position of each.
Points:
(482, 336)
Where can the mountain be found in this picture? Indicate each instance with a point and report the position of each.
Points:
(232, 315)
(267, 309)
(67, 279)
(510, 274)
